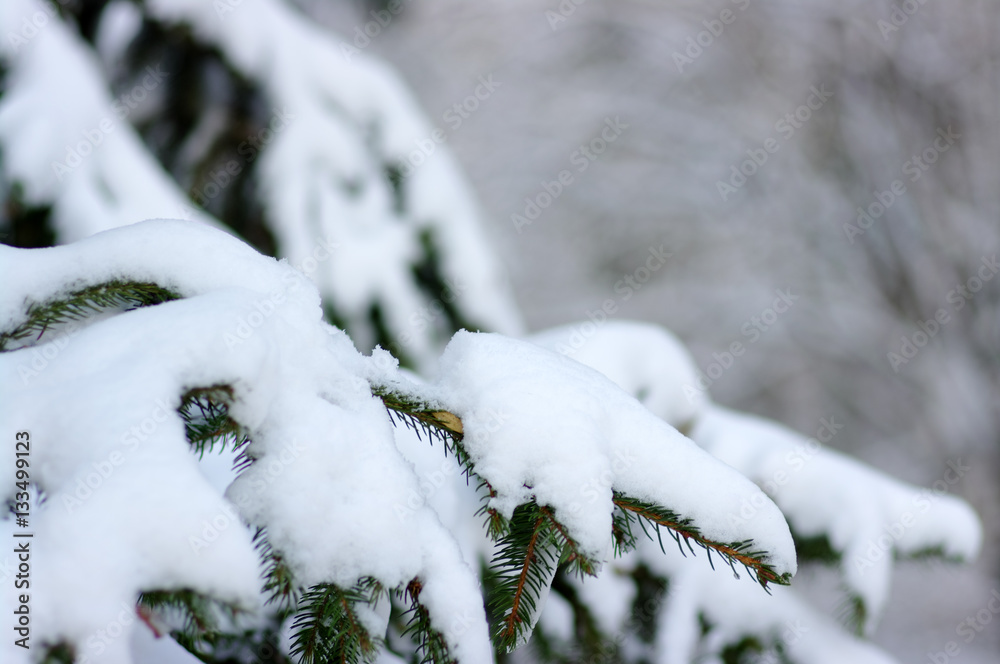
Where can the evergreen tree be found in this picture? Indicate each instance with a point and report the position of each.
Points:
(129, 354)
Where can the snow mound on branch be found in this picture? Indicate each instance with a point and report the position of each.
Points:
(540, 425)
(327, 476)
(867, 516)
(643, 359)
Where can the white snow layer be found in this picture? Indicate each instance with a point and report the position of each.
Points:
(643, 359)
(539, 425)
(867, 516)
(127, 504)
(736, 610)
(127, 501)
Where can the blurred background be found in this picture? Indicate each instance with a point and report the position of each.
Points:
(816, 181)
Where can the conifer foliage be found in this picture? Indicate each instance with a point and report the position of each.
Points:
(333, 615)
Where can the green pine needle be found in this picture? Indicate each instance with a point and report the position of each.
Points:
(431, 644)
(684, 532)
(205, 411)
(84, 303)
(279, 582)
(327, 629)
(524, 565)
(200, 615)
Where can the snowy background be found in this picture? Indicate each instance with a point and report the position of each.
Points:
(892, 89)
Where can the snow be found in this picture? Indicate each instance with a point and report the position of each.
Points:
(324, 446)
(643, 359)
(868, 517)
(538, 425)
(541, 426)
(734, 610)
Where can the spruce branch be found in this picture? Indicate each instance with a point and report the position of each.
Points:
(623, 538)
(205, 411)
(60, 653)
(570, 553)
(279, 582)
(684, 532)
(437, 423)
(327, 628)
(199, 614)
(430, 642)
(524, 564)
(84, 303)
(852, 611)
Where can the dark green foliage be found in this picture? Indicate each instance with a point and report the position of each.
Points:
(84, 303)
(525, 563)
(684, 532)
(853, 612)
(24, 224)
(533, 545)
(743, 652)
(430, 642)
(651, 590)
(58, 654)
(436, 423)
(279, 582)
(205, 412)
(815, 549)
(327, 628)
(427, 274)
(201, 617)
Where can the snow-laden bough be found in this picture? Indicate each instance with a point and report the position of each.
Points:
(180, 332)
